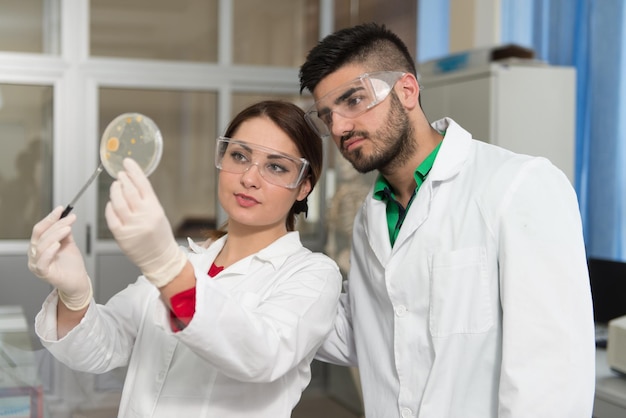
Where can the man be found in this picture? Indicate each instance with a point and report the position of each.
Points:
(468, 293)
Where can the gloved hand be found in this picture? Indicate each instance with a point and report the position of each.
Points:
(54, 257)
(140, 227)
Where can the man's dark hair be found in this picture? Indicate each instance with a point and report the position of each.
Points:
(369, 44)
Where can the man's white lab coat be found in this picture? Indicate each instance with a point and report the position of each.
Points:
(482, 308)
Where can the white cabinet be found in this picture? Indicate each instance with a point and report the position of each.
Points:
(528, 108)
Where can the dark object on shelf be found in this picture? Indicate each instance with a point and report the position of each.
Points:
(608, 289)
(511, 51)
(195, 227)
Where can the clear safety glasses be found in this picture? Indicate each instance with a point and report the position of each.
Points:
(351, 99)
(280, 169)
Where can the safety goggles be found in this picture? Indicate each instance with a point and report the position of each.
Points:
(351, 99)
(280, 169)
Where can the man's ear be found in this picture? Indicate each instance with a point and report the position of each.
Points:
(305, 189)
(408, 91)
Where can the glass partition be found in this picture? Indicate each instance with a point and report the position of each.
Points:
(398, 15)
(185, 177)
(25, 158)
(274, 32)
(181, 30)
(29, 26)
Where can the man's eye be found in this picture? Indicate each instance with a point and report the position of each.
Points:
(354, 101)
(325, 117)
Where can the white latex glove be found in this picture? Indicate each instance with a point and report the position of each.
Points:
(54, 257)
(140, 227)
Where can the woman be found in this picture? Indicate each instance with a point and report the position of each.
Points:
(227, 328)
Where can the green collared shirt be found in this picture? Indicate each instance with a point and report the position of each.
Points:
(395, 211)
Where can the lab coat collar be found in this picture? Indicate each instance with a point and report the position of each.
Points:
(451, 157)
(276, 253)
(453, 152)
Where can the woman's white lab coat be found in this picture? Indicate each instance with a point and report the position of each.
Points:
(245, 353)
(482, 308)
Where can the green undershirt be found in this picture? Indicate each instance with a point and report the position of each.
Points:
(395, 211)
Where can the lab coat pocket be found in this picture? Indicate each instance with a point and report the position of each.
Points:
(460, 298)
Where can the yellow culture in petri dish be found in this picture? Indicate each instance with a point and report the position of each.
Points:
(131, 135)
(113, 144)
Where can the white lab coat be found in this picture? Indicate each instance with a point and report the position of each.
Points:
(482, 308)
(245, 353)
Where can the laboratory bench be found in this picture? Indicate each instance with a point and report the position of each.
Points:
(610, 398)
(21, 393)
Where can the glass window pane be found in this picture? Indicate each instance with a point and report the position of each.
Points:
(25, 158)
(185, 179)
(29, 26)
(274, 32)
(398, 15)
(182, 30)
(242, 100)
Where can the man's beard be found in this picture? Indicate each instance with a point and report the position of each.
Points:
(393, 143)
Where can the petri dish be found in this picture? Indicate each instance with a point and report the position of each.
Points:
(131, 135)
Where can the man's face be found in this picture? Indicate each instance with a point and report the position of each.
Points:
(379, 138)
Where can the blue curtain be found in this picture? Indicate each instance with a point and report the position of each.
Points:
(433, 29)
(589, 35)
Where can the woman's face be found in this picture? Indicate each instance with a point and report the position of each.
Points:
(248, 198)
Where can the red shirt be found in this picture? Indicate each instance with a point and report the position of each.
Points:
(184, 304)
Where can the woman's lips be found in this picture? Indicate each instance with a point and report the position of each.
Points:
(245, 200)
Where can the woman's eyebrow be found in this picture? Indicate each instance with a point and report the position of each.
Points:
(280, 157)
(276, 156)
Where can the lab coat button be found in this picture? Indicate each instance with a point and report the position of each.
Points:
(406, 413)
(401, 310)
